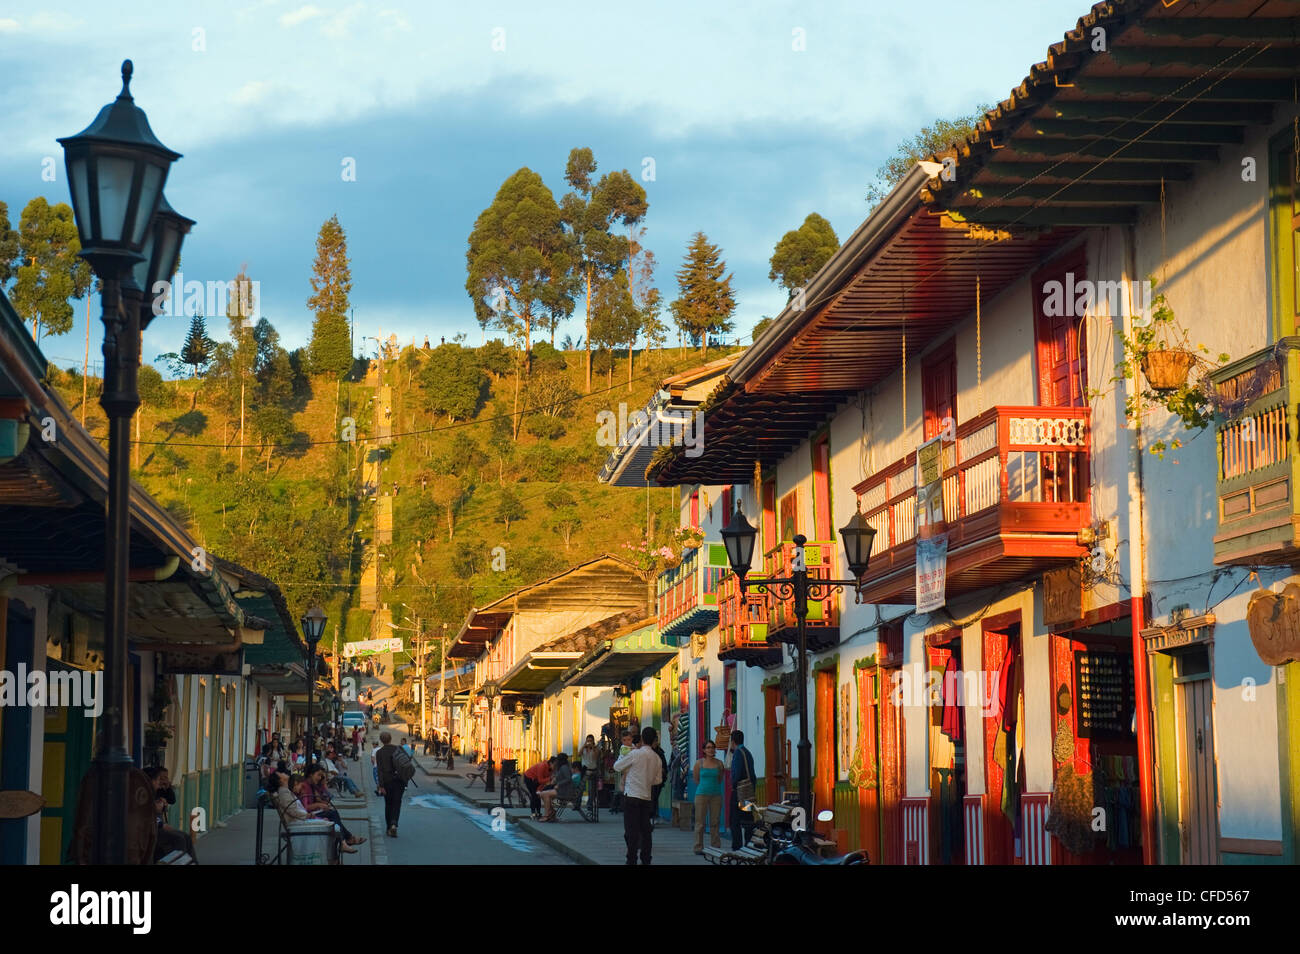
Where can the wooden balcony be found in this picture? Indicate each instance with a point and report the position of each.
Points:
(1016, 492)
(687, 595)
(1257, 458)
(823, 620)
(743, 625)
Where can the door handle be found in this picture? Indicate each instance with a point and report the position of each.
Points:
(1200, 740)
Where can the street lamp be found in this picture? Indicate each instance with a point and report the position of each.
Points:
(491, 691)
(313, 626)
(116, 172)
(858, 536)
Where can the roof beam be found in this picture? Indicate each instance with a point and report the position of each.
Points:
(1170, 132)
(1116, 170)
(1235, 28)
(1181, 88)
(1236, 59)
(1080, 192)
(1053, 215)
(1140, 151)
(1223, 114)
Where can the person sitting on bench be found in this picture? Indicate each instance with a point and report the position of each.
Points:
(291, 808)
(561, 786)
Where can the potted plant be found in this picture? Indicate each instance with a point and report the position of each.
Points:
(688, 538)
(1161, 347)
(156, 735)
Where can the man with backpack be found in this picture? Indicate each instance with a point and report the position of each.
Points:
(396, 768)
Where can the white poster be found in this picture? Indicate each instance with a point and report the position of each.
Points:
(372, 647)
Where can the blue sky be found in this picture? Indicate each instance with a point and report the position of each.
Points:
(266, 99)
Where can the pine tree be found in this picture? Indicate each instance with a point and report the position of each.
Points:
(197, 350)
(331, 283)
(706, 301)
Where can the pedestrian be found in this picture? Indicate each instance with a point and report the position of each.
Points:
(708, 797)
(589, 760)
(742, 790)
(391, 783)
(536, 777)
(410, 749)
(642, 771)
(374, 765)
(658, 789)
(629, 745)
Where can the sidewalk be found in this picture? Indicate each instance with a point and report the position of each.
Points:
(598, 843)
(234, 841)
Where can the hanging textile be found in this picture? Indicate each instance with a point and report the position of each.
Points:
(952, 700)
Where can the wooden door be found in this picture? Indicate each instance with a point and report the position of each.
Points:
(822, 489)
(868, 767)
(939, 389)
(999, 847)
(1060, 340)
(1198, 816)
(769, 525)
(825, 770)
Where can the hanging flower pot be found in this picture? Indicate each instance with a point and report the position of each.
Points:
(1167, 370)
(672, 561)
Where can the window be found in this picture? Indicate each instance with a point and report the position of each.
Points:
(822, 488)
(939, 389)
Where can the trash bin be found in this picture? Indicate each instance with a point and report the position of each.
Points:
(310, 842)
(252, 782)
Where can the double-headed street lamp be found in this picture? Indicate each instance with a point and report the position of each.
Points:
(313, 626)
(858, 536)
(129, 235)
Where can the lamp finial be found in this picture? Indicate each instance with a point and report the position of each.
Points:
(127, 69)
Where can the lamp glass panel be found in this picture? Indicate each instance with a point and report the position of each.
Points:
(140, 272)
(77, 174)
(150, 189)
(114, 193)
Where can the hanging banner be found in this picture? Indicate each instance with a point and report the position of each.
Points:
(372, 647)
(931, 527)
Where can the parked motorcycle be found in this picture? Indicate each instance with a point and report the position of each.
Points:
(786, 846)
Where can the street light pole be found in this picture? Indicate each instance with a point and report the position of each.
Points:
(423, 688)
(858, 536)
(116, 172)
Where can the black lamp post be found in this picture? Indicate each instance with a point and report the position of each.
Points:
(313, 625)
(490, 690)
(858, 536)
(116, 172)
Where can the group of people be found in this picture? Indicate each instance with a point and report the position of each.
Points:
(707, 773)
(301, 778)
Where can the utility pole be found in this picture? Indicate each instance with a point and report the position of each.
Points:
(419, 631)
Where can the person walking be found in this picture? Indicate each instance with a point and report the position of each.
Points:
(391, 784)
(708, 797)
(374, 765)
(742, 790)
(641, 772)
(629, 744)
(658, 789)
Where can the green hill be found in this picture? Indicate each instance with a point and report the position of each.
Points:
(297, 509)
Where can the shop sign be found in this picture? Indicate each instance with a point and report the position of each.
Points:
(1274, 620)
(1062, 596)
(372, 647)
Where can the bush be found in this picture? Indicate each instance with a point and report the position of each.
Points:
(546, 428)
(542, 462)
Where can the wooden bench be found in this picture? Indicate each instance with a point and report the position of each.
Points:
(292, 827)
(754, 852)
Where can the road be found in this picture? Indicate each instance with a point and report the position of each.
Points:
(437, 828)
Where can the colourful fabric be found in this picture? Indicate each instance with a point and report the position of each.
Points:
(952, 686)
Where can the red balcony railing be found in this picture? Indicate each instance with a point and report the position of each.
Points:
(743, 624)
(823, 613)
(1016, 493)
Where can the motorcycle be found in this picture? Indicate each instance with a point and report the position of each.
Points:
(788, 846)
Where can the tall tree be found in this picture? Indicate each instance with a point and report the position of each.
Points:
(640, 282)
(509, 508)
(802, 252)
(8, 247)
(240, 307)
(453, 382)
(519, 263)
(615, 320)
(590, 212)
(936, 139)
(706, 301)
(331, 285)
(49, 271)
(196, 352)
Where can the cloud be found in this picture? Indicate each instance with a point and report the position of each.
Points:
(301, 15)
(251, 92)
(339, 26)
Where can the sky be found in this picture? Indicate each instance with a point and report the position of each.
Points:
(738, 118)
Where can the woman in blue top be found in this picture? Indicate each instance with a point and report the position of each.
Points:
(708, 797)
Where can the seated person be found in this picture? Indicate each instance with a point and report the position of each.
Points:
(345, 780)
(561, 786)
(293, 809)
(308, 790)
(169, 839)
(537, 777)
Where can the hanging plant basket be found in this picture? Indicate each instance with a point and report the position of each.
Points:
(671, 562)
(1167, 370)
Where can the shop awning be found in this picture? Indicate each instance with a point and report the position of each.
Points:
(624, 659)
(281, 679)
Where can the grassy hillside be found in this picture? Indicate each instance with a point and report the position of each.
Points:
(299, 510)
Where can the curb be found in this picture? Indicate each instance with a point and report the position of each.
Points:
(553, 842)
